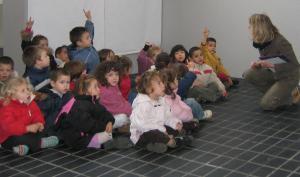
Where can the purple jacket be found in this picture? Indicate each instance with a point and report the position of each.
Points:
(144, 62)
(112, 99)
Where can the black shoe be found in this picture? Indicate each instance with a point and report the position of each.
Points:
(183, 140)
(157, 147)
(117, 143)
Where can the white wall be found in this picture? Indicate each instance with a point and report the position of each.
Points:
(1, 21)
(15, 20)
(183, 22)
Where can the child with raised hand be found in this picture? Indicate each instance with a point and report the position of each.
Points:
(37, 40)
(22, 123)
(152, 124)
(82, 48)
(88, 124)
(107, 73)
(56, 97)
(208, 47)
(189, 111)
(179, 54)
(207, 86)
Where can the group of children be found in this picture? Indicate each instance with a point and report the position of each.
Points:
(86, 99)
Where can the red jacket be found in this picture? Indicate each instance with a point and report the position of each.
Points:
(15, 116)
(125, 86)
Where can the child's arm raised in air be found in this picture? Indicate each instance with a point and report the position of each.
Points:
(89, 25)
(26, 34)
(205, 36)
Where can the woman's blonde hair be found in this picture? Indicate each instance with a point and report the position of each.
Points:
(263, 29)
(11, 86)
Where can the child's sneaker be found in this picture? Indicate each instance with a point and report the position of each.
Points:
(21, 150)
(157, 147)
(207, 115)
(117, 143)
(50, 141)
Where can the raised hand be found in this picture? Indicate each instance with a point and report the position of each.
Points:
(88, 14)
(205, 33)
(29, 24)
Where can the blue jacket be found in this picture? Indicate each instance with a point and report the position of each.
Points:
(36, 76)
(89, 56)
(185, 84)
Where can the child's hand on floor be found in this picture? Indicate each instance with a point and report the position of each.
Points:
(88, 15)
(109, 127)
(33, 128)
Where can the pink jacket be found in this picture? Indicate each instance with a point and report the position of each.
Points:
(149, 115)
(112, 99)
(179, 109)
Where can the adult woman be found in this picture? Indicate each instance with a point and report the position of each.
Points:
(278, 82)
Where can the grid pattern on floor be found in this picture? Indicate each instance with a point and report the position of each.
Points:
(242, 141)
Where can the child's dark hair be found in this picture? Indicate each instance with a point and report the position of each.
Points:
(211, 39)
(31, 54)
(104, 68)
(193, 50)
(83, 84)
(76, 34)
(168, 76)
(37, 38)
(103, 54)
(162, 61)
(125, 64)
(59, 49)
(177, 48)
(55, 74)
(75, 68)
(144, 84)
(7, 61)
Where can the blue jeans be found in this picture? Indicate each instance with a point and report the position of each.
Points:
(196, 108)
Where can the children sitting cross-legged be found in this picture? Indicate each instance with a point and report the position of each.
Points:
(189, 111)
(22, 123)
(152, 124)
(207, 86)
(56, 97)
(107, 73)
(87, 123)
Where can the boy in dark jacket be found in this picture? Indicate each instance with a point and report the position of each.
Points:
(56, 98)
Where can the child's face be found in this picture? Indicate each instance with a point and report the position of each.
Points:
(43, 44)
(198, 57)
(62, 84)
(94, 89)
(5, 71)
(180, 56)
(158, 88)
(63, 55)
(43, 61)
(22, 93)
(112, 78)
(85, 40)
(211, 46)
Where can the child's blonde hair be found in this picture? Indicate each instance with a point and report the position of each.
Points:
(144, 84)
(83, 84)
(11, 87)
(152, 51)
(263, 29)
